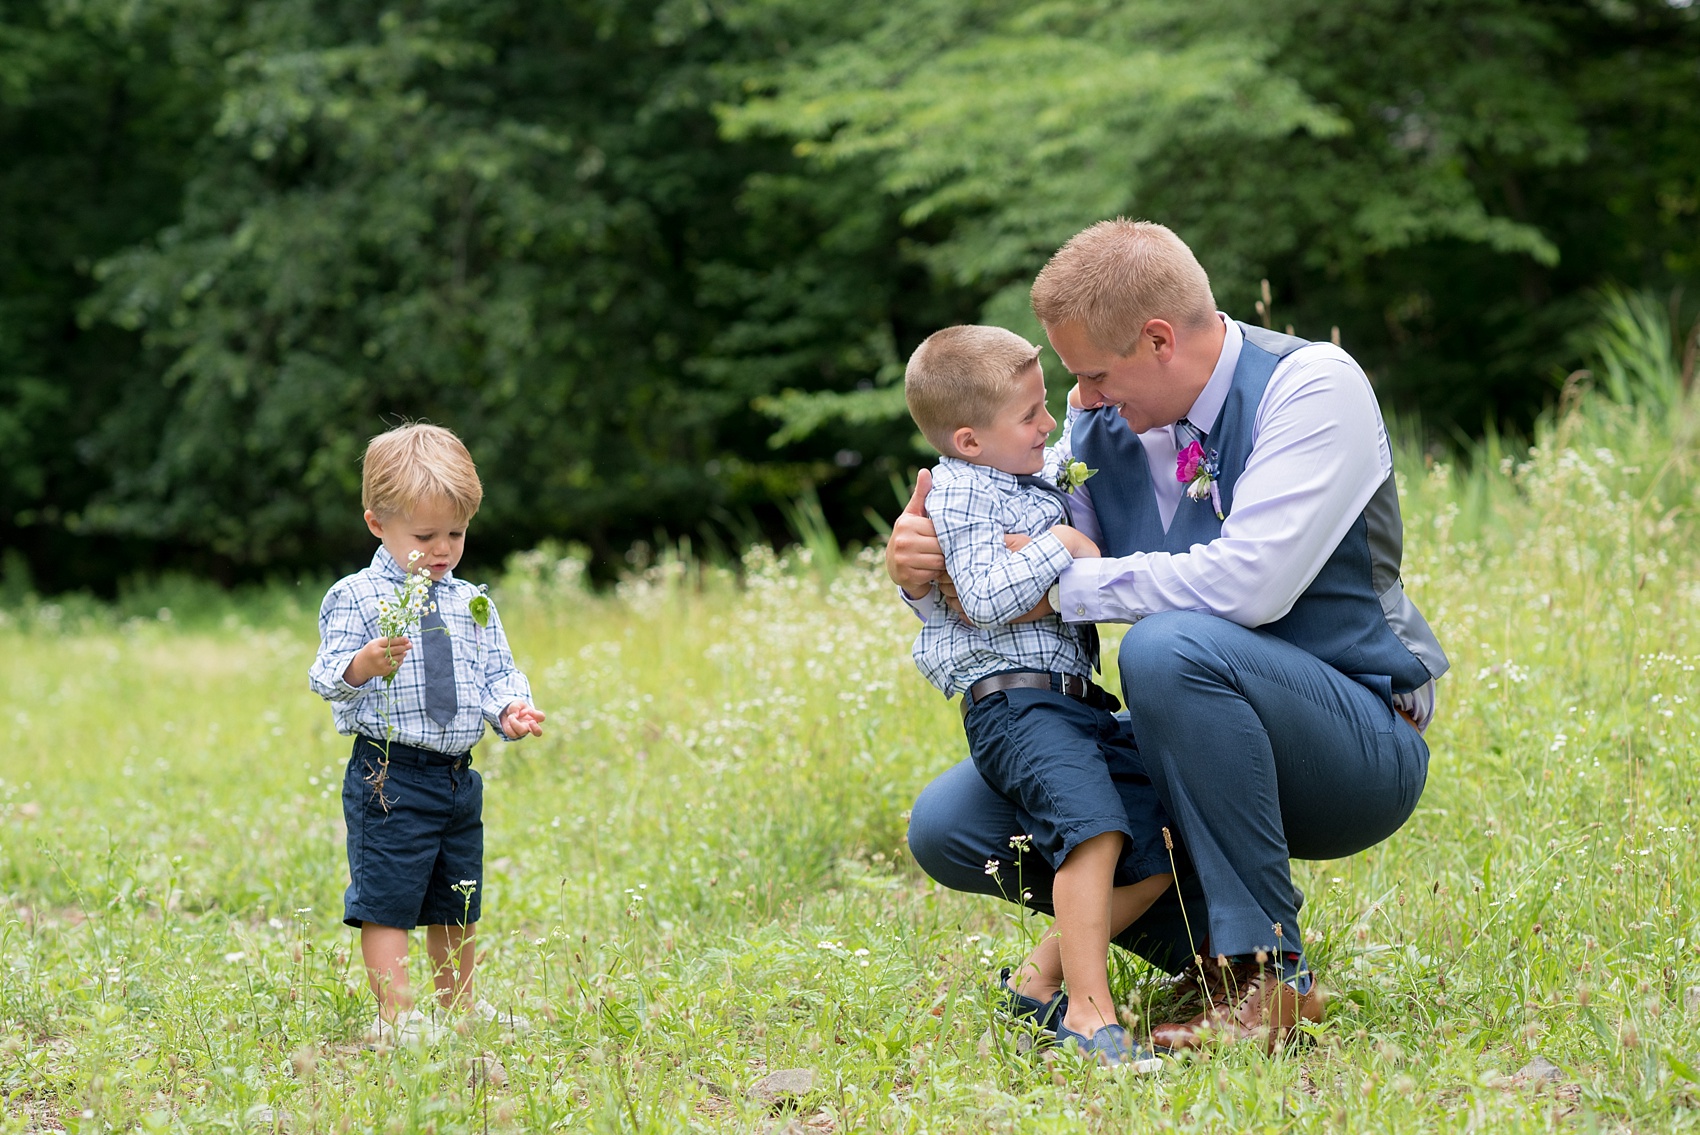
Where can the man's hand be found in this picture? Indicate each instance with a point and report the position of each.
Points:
(519, 719)
(379, 658)
(913, 558)
(1078, 544)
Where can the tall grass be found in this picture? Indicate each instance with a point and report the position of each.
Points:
(699, 875)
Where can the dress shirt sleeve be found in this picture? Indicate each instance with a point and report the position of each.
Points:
(343, 630)
(993, 583)
(1320, 453)
(504, 683)
(924, 606)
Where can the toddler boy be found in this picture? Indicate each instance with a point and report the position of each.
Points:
(413, 803)
(1040, 731)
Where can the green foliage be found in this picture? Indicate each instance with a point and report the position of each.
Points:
(660, 261)
(1372, 158)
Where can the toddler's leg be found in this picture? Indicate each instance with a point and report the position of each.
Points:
(1041, 975)
(384, 950)
(1082, 930)
(453, 951)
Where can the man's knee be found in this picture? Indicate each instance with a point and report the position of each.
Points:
(1159, 648)
(928, 837)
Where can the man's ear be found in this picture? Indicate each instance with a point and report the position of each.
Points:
(1158, 337)
(965, 443)
(375, 525)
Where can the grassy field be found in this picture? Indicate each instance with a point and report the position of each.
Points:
(699, 876)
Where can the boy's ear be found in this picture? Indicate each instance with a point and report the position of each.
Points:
(375, 525)
(965, 442)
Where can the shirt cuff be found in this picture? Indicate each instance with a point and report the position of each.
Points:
(924, 606)
(338, 690)
(1080, 593)
(1419, 703)
(496, 705)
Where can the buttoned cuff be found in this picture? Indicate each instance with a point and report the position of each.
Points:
(1081, 593)
(924, 606)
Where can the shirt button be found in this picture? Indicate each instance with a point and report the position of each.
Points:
(1080, 610)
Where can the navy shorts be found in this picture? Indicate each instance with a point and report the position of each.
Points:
(407, 859)
(1072, 772)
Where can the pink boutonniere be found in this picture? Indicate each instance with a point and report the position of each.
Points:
(1197, 470)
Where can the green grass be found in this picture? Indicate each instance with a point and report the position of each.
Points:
(699, 874)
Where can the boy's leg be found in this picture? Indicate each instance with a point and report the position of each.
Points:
(453, 954)
(1082, 930)
(1040, 974)
(384, 950)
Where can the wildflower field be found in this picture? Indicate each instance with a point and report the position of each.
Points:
(698, 876)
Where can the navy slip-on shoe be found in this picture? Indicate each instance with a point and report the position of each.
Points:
(1030, 1010)
(1112, 1047)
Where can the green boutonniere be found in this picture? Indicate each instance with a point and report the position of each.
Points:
(1072, 475)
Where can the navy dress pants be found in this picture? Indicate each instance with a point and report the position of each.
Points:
(1259, 753)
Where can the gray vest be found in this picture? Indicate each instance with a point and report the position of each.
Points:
(1354, 616)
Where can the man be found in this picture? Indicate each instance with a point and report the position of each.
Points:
(1277, 679)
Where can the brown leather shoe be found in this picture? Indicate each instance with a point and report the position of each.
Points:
(1187, 986)
(1248, 1002)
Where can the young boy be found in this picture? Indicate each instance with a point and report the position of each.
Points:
(413, 803)
(1040, 731)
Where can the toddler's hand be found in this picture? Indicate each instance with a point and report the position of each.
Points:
(377, 659)
(1078, 545)
(519, 719)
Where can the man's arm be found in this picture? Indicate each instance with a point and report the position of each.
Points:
(1320, 454)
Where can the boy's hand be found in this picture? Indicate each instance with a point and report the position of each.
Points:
(1076, 541)
(377, 659)
(519, 719)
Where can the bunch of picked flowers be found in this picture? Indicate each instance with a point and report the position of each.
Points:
(399, 614)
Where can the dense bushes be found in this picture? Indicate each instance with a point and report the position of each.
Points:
(659, 261)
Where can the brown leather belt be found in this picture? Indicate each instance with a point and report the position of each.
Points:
(1073, 685)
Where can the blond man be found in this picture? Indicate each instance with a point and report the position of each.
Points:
(412, 801)
(1277, 678)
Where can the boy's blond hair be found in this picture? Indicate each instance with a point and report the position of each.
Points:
(416, 463)
(962, 376)
(1115, 276)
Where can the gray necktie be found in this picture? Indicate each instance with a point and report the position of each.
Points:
(1186, 433)
(439, 648)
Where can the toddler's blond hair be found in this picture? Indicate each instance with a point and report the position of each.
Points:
(413, 464)
(962, 376)
(1116, 276)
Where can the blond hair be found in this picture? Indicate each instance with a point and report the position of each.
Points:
(1116, 276)
(962, 376)
(416, 463)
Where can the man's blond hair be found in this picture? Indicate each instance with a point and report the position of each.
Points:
(1116, 276)
(962, 376)
(413, 464)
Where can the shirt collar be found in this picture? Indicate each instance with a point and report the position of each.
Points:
(384, 564)
(997, 476)
(1209, 403)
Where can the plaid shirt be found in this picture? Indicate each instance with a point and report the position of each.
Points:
(486, 679)
(973, 507)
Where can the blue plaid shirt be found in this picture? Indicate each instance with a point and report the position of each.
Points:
(972, 508)
(486, 679)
